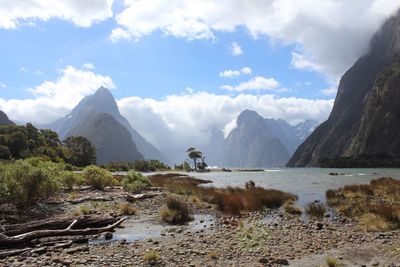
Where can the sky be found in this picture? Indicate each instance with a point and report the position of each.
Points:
(180, 65)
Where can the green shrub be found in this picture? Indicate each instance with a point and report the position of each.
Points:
(69, 179)
(96, 177)
(151, 256)
(24, 182)
(135, 182)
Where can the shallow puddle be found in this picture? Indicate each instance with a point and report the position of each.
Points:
(136, 229)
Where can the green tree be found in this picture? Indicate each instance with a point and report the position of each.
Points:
(83, 152)
(195, 155)
(50, 138)
(17, 143)
(4, 152)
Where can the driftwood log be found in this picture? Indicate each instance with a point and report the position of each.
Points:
(133, 198)
(58, 223)
(84, 199)
(39, 250)
(26, 238)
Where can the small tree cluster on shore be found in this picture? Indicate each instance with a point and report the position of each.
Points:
(21, 142)
(139, 166)
(197, 157)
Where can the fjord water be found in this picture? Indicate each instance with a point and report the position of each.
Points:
(308, 184)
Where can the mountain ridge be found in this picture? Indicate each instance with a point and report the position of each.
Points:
(360, 94)
(102, 101)
(4, 120)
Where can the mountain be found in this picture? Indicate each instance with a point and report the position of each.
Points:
(4, 119)
(112, 140)
(104, 102)
(363, 129)
(214, 148)
(291, 136)
(253, 144)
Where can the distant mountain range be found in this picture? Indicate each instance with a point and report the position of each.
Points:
(89, 118)
(256, 142)
(363, 129)
(4, 119)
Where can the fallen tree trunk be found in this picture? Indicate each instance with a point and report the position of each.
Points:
(26, 238)
(58, 223)
(40, 250)
(132, 198)
(84, 199)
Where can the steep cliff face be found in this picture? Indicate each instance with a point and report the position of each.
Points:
(112, 140)
(379, 131)
(4, 119)
(364, 121)
(252, 144)
(103, 102)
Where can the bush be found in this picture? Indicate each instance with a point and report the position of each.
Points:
(373, 223)
(96, 177)
(135, 182)
(377, 201)
(24, 182)
(333, 262)
(316, 210)
(177, 212)
(127, 209)
(69, 180)
(151, 256)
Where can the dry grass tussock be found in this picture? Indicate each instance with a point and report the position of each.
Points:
(375, 205)
(291, 208)
(176, 212)
(316, 210)
(232, 200)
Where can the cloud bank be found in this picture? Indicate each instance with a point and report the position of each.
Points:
(81, 13)
(178, 121)
(171, 123)
(54, 99)
(328, 33)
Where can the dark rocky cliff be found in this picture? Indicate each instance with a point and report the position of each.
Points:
(363, 127)
(4, 119)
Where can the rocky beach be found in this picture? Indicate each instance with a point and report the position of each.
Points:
(264, 238)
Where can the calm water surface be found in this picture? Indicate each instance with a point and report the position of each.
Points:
(308, 183)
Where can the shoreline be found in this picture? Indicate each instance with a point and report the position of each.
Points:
(271, 238)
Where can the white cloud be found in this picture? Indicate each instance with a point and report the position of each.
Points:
(82, 13)
(235, 73)
(229, 73)
(301, 62)
(2, 85)
(53, 99)
(257, 83)
(327, 31)
(178, 121)
(246, 70)
(331, 91)
(88, 66)
(235, 49)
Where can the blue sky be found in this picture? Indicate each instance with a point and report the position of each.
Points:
(154, 66)
(165, 61)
